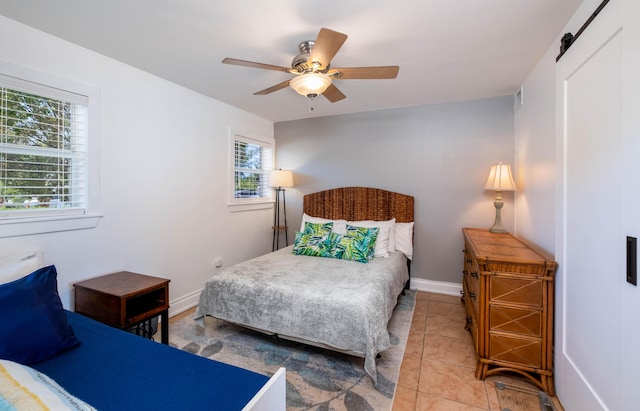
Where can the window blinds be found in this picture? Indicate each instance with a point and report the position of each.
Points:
(43, 150)
(252, 163)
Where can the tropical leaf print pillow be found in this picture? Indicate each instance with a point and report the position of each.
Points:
(367, 236)
(317, 229)
(316, 240)
(357, 245)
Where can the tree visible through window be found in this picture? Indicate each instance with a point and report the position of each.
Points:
(42, 151)
(252, 163)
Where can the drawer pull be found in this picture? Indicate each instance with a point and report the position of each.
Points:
(469, 320)
(469, 261)
(474, 274)
(465, 272)
(472, 295)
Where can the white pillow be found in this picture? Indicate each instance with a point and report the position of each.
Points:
(384, 233)
(22, 386)
(19, 264)
(404, 238)
(339, 226)
(392, 237)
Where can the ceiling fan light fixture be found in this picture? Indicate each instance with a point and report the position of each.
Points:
(312, 70)
(310, 84)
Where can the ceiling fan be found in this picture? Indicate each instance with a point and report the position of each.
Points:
(312, 70)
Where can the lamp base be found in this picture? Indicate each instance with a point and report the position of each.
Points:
(277, 227)
(497, 224)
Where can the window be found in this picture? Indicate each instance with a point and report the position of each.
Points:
(43, 150)
(252, 161)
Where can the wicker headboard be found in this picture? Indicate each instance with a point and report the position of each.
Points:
(359, 203)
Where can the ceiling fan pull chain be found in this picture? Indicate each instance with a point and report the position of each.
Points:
(310, 105)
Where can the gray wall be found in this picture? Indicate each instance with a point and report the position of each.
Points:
(440, 154)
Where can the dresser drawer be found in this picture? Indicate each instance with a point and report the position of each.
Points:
(471, 311)
(514, 267)
(471, 292)
(510, 348)
(470, 263)
(516, 289)
(472, 324)
(523, 321)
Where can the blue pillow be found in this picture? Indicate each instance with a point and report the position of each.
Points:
(33, 324)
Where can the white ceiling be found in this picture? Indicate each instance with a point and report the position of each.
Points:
(447, 50)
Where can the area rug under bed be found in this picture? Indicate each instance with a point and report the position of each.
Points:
(316, 379)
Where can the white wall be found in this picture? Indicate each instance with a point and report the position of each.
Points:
(164, 168)
(535, 146)
(581, 380)
(440, 154)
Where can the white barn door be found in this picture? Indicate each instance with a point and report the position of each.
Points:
(592, 368)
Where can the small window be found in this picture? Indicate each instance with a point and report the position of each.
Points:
(43, 150)
(252, 161)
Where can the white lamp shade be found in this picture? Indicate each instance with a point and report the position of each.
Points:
(310, 84)
(281, 178)
(500, 178)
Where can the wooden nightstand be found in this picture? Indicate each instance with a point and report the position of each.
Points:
(124, 299)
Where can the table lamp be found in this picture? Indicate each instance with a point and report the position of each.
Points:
(500, 179)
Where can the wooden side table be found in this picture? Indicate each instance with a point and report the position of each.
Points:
(124, 299)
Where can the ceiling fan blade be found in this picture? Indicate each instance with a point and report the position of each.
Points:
(326, 46)
(381, 72)
(272, 89)
(333, 94)
(253, 64)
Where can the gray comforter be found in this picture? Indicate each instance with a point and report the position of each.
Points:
(342, 304)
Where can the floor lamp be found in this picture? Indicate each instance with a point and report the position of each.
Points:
(500, 179)
(280, 179)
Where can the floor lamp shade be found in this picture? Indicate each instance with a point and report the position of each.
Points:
(500, 179)
(280, 179)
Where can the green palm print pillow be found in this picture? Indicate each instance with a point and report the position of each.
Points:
(316, 240)
(358, 244)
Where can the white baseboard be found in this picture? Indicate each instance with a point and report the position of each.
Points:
(184, 303)
(438, 287)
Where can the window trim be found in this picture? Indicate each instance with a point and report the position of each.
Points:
(40, 224)
(246, 204)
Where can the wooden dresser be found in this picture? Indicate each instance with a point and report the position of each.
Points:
(508, 297)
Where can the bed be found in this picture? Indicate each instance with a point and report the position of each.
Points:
(333, 303)
(51, 357)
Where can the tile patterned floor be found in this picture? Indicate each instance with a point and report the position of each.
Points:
(438, 369)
